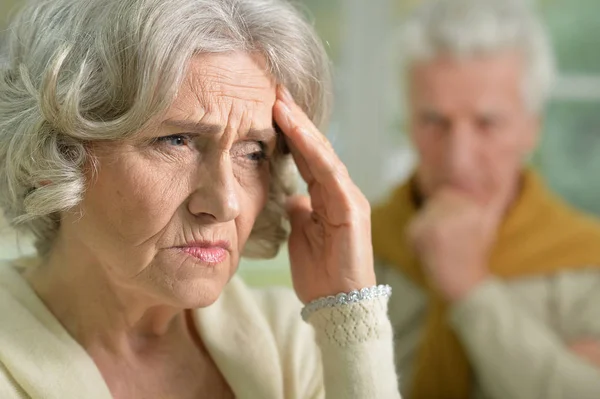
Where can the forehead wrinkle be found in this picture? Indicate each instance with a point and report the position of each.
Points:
(226, 83)
(234, 95)
(209, 98)
(231, 77)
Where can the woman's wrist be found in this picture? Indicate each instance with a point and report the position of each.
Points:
(345, 299)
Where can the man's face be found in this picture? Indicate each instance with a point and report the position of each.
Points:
(470, 125)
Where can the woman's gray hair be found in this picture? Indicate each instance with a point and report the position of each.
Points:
(467, 28)
(79, 71)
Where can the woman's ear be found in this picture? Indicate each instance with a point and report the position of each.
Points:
(39, 184)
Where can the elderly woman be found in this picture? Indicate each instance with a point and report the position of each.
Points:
(145, 144)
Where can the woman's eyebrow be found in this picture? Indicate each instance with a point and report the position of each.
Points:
(193, 127)
(265, 134)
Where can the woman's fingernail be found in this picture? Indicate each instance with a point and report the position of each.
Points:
(287, 96)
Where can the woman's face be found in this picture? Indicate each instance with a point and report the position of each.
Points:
(169, 212)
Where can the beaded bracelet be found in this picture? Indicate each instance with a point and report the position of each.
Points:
(346, 299)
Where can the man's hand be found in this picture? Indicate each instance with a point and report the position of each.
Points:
(453, 236)
(588, 350)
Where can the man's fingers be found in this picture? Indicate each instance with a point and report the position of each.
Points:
(588, 350)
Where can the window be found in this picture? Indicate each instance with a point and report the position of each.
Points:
(569, 154)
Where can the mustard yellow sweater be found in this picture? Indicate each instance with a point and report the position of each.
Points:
(542, 244)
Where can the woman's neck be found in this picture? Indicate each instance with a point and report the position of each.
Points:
(96, 310)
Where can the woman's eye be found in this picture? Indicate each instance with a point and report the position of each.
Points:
(176, 140)
(254, 152)
(257, 156)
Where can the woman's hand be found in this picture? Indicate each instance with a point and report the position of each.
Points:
(330, 243)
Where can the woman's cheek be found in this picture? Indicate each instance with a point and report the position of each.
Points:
(254, 181)
(150, 198)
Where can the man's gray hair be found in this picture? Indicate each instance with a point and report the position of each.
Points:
(79, 71)
(468, 28)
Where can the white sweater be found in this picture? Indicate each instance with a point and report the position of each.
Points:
(256, 337)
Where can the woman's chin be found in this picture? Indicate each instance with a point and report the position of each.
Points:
(193, 283)
(198, 293)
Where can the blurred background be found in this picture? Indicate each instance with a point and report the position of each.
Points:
(367, 125)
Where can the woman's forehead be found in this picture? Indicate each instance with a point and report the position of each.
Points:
(221, 87)
(238, 75)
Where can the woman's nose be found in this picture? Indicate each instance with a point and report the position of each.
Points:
(216, 195)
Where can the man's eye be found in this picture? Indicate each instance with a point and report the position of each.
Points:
(487, 123)
(431, 121)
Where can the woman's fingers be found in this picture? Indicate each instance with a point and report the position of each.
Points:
(332, 192)
(304, 150)
(302, 221)
(298, 208)
(323, 164)
(301, 164)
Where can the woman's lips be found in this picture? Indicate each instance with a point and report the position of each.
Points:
(212, 255)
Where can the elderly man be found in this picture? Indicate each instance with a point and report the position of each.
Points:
(497, 281)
